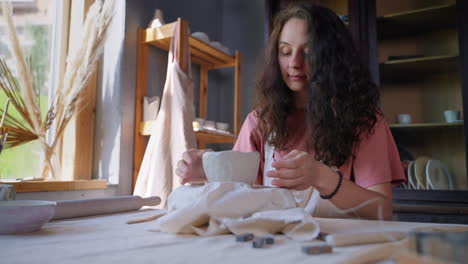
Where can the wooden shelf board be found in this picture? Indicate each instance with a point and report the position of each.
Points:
(208, 136)
(213, 137)
(422, 11)
(163, 32)
(423, 59)
(204, 47)
(426, 125)
(416, 21)
(426, 65)
(201, 52)
(47, 186)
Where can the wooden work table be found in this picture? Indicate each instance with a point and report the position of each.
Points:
(108, 239)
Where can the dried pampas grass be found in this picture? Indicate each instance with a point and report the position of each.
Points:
(81, 64)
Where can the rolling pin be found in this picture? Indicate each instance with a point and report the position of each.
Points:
(89, 207)
(362, 238)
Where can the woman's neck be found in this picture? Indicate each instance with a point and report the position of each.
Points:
(300, 100)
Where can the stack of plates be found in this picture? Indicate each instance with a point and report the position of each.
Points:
(438, 176)
(420, 172)
(425, 173)
(412, 182)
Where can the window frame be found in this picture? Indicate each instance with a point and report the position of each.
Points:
(76, 149)
(76, 146)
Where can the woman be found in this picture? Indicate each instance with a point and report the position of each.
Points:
(317, 123)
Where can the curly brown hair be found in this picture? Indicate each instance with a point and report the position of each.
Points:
(343, 101)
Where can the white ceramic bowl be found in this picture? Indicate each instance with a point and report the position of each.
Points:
(221, 47)
(209, 124)
(22, 216)
(201, 36)
(231, 166)
(222, 126)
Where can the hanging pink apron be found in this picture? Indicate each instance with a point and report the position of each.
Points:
(172, 133)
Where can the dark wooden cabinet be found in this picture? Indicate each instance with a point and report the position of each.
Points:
(420, 47)
(416, 52)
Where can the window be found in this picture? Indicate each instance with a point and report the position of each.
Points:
(42, 27)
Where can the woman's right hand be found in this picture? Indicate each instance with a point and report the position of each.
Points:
(190, 167)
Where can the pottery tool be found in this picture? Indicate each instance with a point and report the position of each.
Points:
(351, 239)
(269, 240)
(5, 112)
(7, 192)
(3, 132)
(244, 237)
(90, 207)
(321, 248)
(3, 138)
(147, 218)
(259, 242)
(262, 242)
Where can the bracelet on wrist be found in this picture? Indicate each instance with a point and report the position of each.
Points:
(340, 181)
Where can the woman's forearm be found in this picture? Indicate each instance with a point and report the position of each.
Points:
(372, 203)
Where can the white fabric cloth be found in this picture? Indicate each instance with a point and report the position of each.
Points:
(172, 133)
(227, 207)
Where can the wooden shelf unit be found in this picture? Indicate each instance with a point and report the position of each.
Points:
(418, 66)
(202, 54)
(424, 86)
(417, 21)
(426, 125)
(203, 136)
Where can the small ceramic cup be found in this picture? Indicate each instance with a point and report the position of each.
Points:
(404, 119)
(222, 126)
(209, 124)
(7, 192)
(231, 166)
(198, 123)
(452, 116)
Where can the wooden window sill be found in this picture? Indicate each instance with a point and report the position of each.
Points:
(50, 186)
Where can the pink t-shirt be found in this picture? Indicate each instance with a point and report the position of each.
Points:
(376, 161)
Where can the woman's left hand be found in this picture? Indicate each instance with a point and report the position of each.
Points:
(297, 170)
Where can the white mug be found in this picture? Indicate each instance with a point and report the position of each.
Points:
(452, 115)
(404, 119)
(222, 126)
